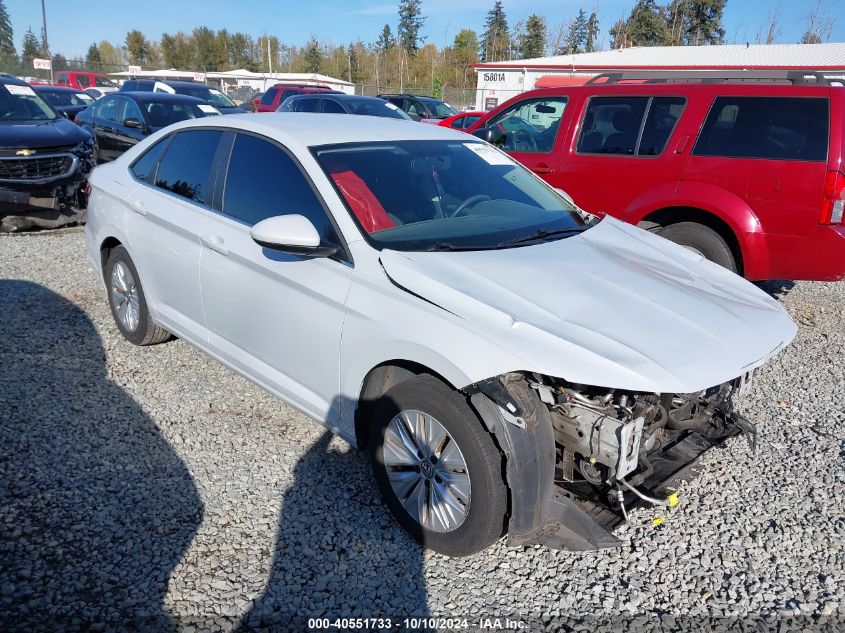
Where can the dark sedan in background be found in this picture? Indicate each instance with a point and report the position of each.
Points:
(208, 94)
(66, 101)
(339, 103)
(121, 119)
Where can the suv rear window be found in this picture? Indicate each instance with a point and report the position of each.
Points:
(268, 97)
(778, 128)
(614, 125)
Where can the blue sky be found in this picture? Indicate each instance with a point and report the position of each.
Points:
(72, 26)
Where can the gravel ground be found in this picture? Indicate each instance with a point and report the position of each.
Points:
(154, 488)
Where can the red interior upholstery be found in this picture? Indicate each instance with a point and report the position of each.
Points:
(363, 202)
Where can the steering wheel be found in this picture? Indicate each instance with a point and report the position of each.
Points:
(470, 202)
(521, 137)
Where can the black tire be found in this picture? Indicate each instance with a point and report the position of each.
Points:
(146, 332)
(485, 518)
(703, 239)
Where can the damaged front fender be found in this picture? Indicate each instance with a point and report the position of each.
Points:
(522, 426)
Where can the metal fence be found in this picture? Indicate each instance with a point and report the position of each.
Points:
(457, 97)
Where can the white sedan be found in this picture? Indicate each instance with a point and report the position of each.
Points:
(512, 364)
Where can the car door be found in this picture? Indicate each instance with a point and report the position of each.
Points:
(124, 136)
(174, 184)
(105, 113)
(275, 317)
(630, 136)
(531, 130)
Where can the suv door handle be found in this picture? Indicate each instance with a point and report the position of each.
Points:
(216, 243)
(543, 169)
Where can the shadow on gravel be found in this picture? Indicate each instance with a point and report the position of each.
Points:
(777, 288)
(96, 509)
(339, 553)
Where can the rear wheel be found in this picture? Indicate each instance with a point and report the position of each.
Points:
(128, 303)
(703, 240)
(438, 468)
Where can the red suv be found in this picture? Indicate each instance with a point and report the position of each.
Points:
(82, 79)
(748, 170)
(273, 97)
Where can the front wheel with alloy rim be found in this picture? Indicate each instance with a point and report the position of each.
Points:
(437, 467)
(128, 303)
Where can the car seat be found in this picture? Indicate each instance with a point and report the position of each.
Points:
(623, 140)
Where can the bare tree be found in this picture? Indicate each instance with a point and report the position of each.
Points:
(769, 31)
(819, 25)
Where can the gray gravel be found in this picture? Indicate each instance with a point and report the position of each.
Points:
(154, 488)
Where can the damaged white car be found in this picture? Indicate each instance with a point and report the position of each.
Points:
(512, 364)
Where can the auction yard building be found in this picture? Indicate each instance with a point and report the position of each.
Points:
(499, 81)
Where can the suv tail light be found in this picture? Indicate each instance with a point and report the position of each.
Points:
(833, 206)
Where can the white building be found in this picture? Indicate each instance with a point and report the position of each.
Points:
(231, 79)
(499, 81)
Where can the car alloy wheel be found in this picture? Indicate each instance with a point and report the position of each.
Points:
(427, 471)
(124, 296)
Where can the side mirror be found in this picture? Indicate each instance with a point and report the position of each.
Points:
(292, 234)
(492, 135)
(134, 123)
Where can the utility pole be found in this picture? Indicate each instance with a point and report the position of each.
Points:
(269, 56)
(46, 45)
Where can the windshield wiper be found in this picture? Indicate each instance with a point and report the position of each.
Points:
(448, 246)
(540, 235)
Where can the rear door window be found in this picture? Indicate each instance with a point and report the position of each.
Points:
(185, 168)
(332, 107)
(775, 128)
(83, 81)
(616, 125)
(531, 126)
(268, 97)
(308, 105)
(106, 109)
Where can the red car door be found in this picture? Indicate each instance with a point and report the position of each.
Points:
(626, 152)
(533, 130)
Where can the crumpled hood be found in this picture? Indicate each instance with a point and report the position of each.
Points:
(615, 306)
(36, 135)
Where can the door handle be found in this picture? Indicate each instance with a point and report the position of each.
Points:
(543, 169)
(216, 243)
(138, 207)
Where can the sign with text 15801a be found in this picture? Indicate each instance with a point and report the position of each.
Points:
(493, 77)
(41, 64)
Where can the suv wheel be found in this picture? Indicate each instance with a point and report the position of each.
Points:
(702, 240)
(128, 304)
(437, 467)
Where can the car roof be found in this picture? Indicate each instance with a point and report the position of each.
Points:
(48, 88)
(158, 97)
(174, 83)
(9, 79)
(334, 95)
(303, 130)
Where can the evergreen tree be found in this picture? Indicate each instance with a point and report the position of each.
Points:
(590, 41)
(313, 56)
(7, 34)
(495, 44)
(695, 22)
(385, 40)
(532, 42)
(646, 26)
(410, 23)
(59, 62)
(579, 32)
(30, 48)
(92, 58)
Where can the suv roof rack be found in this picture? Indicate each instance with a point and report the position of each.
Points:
(794, 77)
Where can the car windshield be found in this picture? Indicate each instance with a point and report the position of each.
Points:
(444, 195)
(375, 107)
(440, 108)
(211, 95)
(21, 103)
(162, 114)
(63, 98)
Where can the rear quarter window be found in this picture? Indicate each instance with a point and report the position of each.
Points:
(774, 128)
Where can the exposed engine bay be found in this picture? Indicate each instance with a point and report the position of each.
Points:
(618, 449)
(580, 457)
